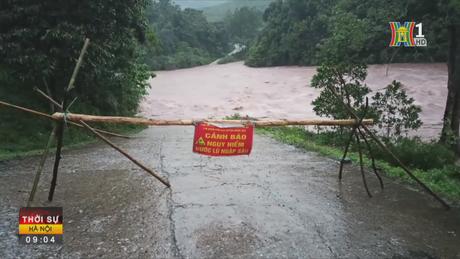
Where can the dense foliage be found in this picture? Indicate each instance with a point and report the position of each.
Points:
(184, 37)
(39, 44)
(297, 31)
(292, 31)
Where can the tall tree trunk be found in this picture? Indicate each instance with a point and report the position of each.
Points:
(452, 111)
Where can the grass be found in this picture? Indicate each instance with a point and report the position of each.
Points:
(444, 180)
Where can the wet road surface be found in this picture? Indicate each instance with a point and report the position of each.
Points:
(279, 202)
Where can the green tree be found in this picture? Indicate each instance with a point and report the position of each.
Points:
(342, 69)
(346, 80)
(346, 42)
(41, 40)
(396, 111)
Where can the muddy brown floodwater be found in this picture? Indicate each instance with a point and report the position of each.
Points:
(279, 202)
(215, 91)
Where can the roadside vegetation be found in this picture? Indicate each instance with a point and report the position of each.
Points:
(40, 43)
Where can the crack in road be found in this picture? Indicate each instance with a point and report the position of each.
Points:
(170, 204)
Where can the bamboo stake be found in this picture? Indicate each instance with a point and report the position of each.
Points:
(41, 114)
(77, 66)
(40, 166)
(60, 126)
(48, 97)
(386, 149)
(126, 154)
(154, 122)
(361, 166)
(374, 167)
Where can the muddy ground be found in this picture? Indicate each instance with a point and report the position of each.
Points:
(279, 202)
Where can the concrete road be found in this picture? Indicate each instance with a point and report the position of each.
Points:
(279, 202)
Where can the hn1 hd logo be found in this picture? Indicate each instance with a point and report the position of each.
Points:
(403, 34)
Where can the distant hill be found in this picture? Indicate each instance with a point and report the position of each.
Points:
(198, 4)
(215, 10)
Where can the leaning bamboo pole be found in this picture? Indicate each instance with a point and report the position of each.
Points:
(154, 122)
(44, 115)
(135, 161)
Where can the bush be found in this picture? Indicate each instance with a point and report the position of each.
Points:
(396, 111)
(417, 154)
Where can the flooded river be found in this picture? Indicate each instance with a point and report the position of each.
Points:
(215, 91)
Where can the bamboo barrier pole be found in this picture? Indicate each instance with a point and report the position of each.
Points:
(126, 154)
(155, 122)
(44, 115)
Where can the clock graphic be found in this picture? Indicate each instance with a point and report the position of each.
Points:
(41, 225)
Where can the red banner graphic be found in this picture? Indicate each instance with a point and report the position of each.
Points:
(211, 140)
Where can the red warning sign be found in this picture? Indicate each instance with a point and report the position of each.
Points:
(212, 140)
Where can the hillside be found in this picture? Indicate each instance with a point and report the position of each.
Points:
(217, 12)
